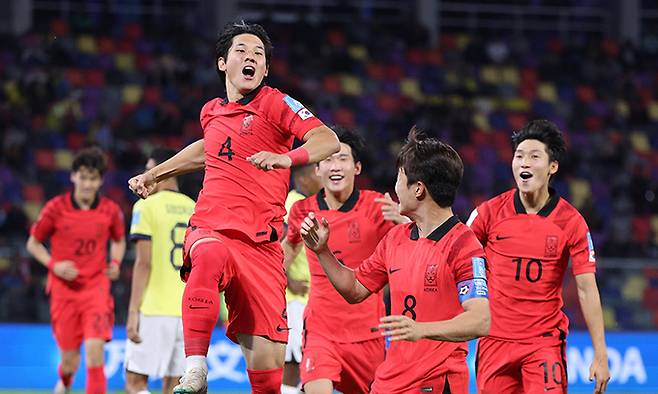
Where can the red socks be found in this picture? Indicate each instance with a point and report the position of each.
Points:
(201, 296)
(267, 381)
(96, 383)
(67, 379)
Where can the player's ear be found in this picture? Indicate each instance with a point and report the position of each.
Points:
(267, 70)
(221, 64)
(357, 168)
(419, 190)
(553, 167)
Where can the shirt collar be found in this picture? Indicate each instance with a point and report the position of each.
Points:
(347, 205)
(546, 210)
(247, 98)
(438, 232)
(94, 204)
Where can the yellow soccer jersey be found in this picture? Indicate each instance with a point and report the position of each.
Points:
(162, 218)
(298, 270)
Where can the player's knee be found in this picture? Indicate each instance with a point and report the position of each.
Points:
(70, 362)
(319, 386)
(94, 354)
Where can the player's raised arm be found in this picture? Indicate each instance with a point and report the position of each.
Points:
(189, 159)
(343, 279)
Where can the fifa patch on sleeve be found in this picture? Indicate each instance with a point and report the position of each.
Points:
(136, 216)
(479, 268)
(305, 114)
(590, 247)
(472, 288)
(294, 105)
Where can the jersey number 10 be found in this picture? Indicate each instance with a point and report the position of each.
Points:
(533, 269)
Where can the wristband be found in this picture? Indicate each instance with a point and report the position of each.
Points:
(51, 264)
(298, 156)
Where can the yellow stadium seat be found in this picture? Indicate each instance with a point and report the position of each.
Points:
(351, 85)
(63, 159)
(490, 74)
(511, 76)
(87, 44)
(653, 111)
(358, 52)
(481, 121)
(640, 142)
(410, 88)
(132, 94)
(609, 319)
(580, 191)
(32, 210)
(547, 92)
(633, 289)
(124, 61)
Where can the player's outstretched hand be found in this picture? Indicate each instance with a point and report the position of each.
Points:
(400, 328)
(65, 269)
(391, 209)
(314, 234)
(269, 161)
(132, 327)
(599, 372)
(113, 271)
(142, 184)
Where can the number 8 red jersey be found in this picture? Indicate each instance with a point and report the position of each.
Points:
(528, 256)
(236, 195)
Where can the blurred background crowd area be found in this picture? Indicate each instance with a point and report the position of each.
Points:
(131, 75)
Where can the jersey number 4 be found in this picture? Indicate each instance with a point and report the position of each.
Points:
(225, 149)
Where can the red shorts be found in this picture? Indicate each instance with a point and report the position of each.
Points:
(77, 319)
(513, 367)
(350, 366)
(253, 282)
(454, 379)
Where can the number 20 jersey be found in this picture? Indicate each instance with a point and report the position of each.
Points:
(236, 195)
(528, 256)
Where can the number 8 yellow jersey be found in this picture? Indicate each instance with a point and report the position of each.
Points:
(162, 218)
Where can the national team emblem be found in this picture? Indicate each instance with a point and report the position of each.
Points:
(550, 248)
(430, 275)
(353, 232)
(246, 125)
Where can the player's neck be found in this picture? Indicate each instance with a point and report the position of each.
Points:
(428, 217)
(533, 202)
(169, 184)
(232, 93)
(83, 203)
(336, 200)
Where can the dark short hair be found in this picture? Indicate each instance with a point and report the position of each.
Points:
(92, 158)
(160, 155)
(434, 163)
(225, 40)
(352, 139)
(544, 131)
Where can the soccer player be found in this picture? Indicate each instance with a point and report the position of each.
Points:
(155, 331)
(306, 184)
(529, 233)
(79, 225)
(232, 244)
(435, 268)
(339, 349)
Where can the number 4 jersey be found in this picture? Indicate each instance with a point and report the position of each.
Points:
(528, 256)
(80, 236)
(162, 219)
(236, 195)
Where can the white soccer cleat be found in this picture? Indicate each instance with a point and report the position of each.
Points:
(60, 388)
(195, 381)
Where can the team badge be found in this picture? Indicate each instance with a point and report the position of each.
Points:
(353, 231)
(550, 247)
(430, 275)
(246, 125)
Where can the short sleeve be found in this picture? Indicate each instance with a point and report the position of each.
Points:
(291, 116)
(478, 222)
(140, 224)
(294, 223)
(469, 268)
(372, 271)
(117, 226)
(581, 248)
(44, 227)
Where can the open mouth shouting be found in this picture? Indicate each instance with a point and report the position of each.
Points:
(248, 72)
(525, 175)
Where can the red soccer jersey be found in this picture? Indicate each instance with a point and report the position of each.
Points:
(528, 256)
(80, 236)
(236, 195)
(429, 279)
(355, 228)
